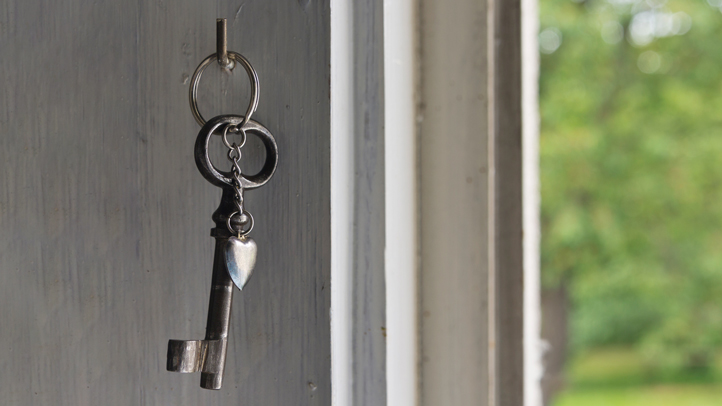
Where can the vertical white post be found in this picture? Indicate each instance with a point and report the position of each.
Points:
(342, 191)
(533, 368)
(455, 188)
(401, 204)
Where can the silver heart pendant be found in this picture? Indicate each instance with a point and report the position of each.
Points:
(240, 256)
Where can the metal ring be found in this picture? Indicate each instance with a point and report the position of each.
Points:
(225, 137)
(225, 179)
(240, 232)
(252, 75)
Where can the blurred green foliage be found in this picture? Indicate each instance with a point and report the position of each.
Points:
(631, 172)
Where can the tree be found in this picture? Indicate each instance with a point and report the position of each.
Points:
(631, 146)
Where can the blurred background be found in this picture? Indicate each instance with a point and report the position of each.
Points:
(631, 173)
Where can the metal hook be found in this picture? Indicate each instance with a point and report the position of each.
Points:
(222, 44)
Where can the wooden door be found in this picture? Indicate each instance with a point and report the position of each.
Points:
(105, 250)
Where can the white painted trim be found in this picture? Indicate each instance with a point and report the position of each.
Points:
(401, 204)
(491, 198)
(533, 368)
(454, 189)
(342, 202)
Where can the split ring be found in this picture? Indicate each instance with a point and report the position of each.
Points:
(240, 230)
(234, 146)
(252, 75)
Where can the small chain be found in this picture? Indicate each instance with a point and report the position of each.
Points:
(234, 155)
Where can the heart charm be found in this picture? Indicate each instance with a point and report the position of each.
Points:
(240, 256)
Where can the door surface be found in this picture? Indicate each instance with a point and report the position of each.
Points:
(105, 250)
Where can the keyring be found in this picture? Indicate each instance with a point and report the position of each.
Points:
(193, 92)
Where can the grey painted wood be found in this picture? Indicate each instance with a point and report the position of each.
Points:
(471, 216)
(369, 294)
(104, 250)
(454, 203)
(508, 218)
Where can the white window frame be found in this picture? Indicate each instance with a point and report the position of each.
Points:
(504, 123)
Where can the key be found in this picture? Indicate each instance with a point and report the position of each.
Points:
(234, 256)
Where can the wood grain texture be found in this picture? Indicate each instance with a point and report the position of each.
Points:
(454, 203)
(369, 294)
(104, 250)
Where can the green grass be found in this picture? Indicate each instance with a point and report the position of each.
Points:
(618, 377)
(656, 395)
